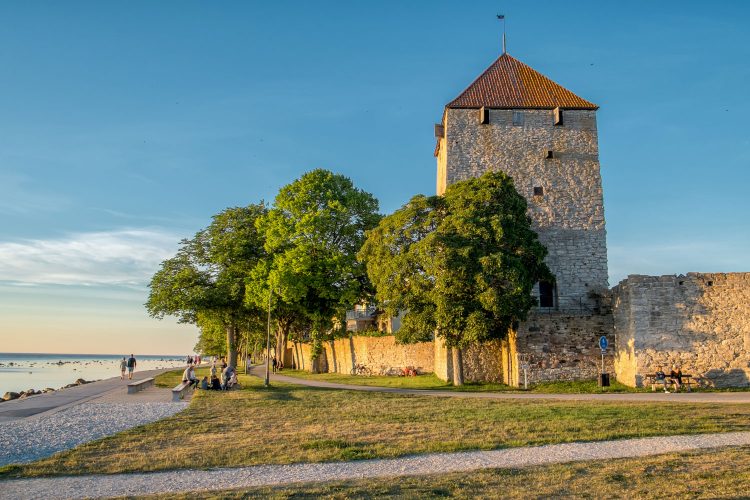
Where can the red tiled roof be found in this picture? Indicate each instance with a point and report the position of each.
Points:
(509, 83)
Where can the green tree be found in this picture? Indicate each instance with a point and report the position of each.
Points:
(462, 266)
(313, 233)
(204, 283)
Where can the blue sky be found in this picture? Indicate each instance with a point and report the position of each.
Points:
(125, 125)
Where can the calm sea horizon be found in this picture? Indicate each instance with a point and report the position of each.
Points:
(23, 371)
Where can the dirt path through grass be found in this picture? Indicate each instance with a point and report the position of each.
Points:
(437, 463)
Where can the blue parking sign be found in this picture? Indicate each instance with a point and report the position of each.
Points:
(603, 343)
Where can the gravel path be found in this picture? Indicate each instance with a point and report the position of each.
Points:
(35, 438)
(264, 475)
(642, 397)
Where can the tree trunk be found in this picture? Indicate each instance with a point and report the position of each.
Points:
(231, 346)
(458, 366)
(281, 339)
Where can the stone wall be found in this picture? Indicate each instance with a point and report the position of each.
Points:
(700, 322)
(569, 216)
(481, 363)
(376, 353)
(556, 346)
(564, 347)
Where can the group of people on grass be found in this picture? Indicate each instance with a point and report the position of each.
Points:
(675, 378)
(219, 380)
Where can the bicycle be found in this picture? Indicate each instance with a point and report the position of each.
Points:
(360, 369)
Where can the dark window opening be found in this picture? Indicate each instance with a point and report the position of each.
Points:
(710, 283)
(549, 154)
(546, 294)
(558, 116)
(517, 118)
(538, 191)
(484, 115)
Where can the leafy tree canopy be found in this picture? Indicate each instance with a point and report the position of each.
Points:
(207, 276)
(462, 265)
(313, 233)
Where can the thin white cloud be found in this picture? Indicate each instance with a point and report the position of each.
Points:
(122, 257)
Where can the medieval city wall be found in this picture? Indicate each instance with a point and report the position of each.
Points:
(563, 346)
(376, 353)
(569, 216)
(481, 362)
(555, 346)
(700, 322)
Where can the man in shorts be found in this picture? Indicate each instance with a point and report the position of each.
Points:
(131, 366)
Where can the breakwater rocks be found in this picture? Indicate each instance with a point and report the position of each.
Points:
(10, 395)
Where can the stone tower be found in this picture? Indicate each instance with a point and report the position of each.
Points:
(514, 119)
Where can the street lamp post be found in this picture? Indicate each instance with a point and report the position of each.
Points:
(268, 339)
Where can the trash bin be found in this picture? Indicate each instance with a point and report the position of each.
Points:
(604, 380)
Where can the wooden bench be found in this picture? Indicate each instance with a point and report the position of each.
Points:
(178, 393)
(139, 385)
(687, 381)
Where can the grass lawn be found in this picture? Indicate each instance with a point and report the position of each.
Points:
(171, 379)
(430, 381)
(290, 423)
(703, 474)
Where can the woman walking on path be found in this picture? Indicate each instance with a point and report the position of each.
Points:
(123, 367)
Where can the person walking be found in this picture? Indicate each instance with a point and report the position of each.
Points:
(131, 366)
(273, 364)
(123, 367)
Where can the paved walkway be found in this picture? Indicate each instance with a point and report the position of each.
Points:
(643, 397)
(52, 402)
(42, 425)
(183, 481)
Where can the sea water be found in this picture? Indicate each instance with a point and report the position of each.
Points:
(21, 371)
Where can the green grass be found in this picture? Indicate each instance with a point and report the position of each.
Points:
(703, 474)
(173, 378)
(291, 423)
(431, 382)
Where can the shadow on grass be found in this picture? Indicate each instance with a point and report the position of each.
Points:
(276, 393)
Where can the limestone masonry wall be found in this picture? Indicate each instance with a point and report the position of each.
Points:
(700, 322)
(564, 347)
(481, 363)
(569, 216)
(376, 353)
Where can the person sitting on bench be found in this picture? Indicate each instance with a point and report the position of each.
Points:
(661, 378)
(189, 376)
(675, 376)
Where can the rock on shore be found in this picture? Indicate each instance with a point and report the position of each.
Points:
(10, 395)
